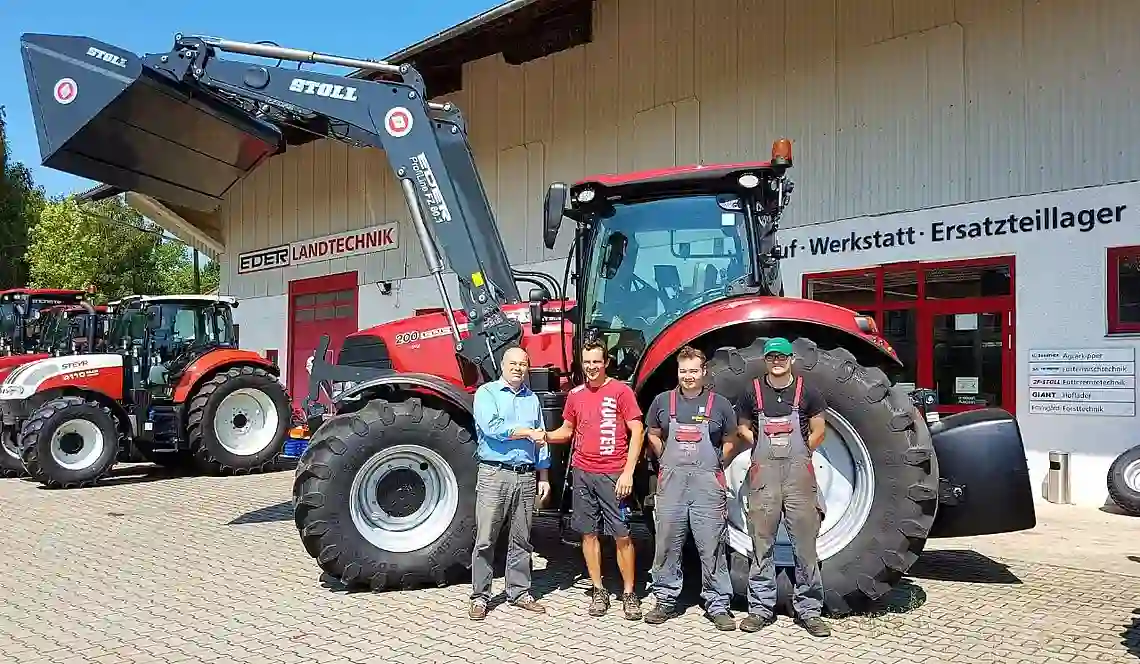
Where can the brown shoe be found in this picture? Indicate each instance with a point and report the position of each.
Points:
(529, 603)
(599, 602)
(478, 610)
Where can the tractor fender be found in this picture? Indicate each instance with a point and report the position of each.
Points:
(214, 361)
(444, 388)
(755, 309)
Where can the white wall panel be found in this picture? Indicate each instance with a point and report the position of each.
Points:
(893, 105)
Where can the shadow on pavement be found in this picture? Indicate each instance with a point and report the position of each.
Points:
(961, 566)
(127, 475)
(1130, 637)
(282, 511)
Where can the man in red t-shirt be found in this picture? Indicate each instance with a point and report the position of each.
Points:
(602, 418)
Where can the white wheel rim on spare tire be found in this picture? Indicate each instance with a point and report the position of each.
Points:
(846, 478)
(76, 444)
(246, 421)
(1132, 476)
(404, 498)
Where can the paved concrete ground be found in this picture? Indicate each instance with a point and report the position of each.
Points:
(211, 570)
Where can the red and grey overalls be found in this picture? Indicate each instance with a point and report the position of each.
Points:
(781, 482)
(691, 495)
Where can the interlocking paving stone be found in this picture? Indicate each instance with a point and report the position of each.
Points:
(193, 569)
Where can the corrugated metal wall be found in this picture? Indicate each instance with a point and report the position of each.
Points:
(893, 105)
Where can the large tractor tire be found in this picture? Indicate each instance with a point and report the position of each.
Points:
(11, 465)
(1124, 481)
(237, 421)
(876, 469)
(383, 497)
(69, 443)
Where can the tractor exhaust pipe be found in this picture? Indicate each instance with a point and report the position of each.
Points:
(92, 322)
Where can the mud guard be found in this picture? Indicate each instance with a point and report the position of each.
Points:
(984, 487)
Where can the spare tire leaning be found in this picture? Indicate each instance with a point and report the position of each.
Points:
(876, 532)
(1124, 481)
(382, 496)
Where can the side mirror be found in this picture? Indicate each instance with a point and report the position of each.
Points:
(553, 207)
(538, 297)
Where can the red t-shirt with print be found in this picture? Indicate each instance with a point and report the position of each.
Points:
(601, 439)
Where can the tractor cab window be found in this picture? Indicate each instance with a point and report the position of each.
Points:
(653, 262)
(7, 319)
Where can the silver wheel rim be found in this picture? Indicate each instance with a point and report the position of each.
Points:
(846, 479)
(1132, 476)
(246, 422)
(8, 443)
(77, 432)
(423, 524)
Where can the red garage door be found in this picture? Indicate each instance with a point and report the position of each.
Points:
(317, 306)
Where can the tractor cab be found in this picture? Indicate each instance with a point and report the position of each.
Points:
(650, 250)
(74, 329)
(21, 321)
(165, 334)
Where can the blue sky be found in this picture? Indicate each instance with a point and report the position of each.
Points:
(344, 27)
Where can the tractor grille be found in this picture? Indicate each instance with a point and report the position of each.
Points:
(364, 350)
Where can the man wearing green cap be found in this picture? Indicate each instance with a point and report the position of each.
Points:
(782, 418)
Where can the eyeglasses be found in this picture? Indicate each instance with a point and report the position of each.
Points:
(777, 357)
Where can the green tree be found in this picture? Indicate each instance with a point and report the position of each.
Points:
(107, 244)
(20, 202)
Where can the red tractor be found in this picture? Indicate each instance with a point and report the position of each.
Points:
(171, 386)
(64, 329)
(20, 310)
(383, 495)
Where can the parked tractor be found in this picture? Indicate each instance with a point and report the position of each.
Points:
(65, 329)
(384, 494)
(172, 386)
(20, 310)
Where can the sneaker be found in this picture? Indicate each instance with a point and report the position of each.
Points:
(600, 602)
(723, 622)
(528, 603)
(815, 626)
(631, 606)
(478, 610)
(754, 622)
(659, 614)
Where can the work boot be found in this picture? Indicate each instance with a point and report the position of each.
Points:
(723, 621)
(815, 626)
(528, 603)
(478, 610)
(754, 622)
(600, 602)
(659, 614)
(631, 605)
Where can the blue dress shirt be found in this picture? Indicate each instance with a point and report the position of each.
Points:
(498, 411)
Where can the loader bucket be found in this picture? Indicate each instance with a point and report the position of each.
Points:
(111, 116)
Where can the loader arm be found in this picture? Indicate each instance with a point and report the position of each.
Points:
(425, 144)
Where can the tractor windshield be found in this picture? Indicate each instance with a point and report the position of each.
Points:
(7, 319)
(175, 325)
(654, 261)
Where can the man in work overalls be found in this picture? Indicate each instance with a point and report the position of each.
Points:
(687, 427)
(789, 426)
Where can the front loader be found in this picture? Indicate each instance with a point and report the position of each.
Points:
(170, 386)
(384, 494)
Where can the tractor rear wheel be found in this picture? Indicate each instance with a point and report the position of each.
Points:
(69, 442)
(876, 469)
(10, 463)
(383, 497)
(237, 421)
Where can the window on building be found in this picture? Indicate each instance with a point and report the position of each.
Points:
(1124, 290)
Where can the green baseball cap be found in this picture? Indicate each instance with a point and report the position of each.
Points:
(778, 345)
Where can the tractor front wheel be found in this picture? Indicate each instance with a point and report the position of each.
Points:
(237, 421)
(10, 463)
(876, 470)
(69, 442)
(384, 497)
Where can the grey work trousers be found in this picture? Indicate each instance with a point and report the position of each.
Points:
(502, 495)
(784, 488)
(691, 501)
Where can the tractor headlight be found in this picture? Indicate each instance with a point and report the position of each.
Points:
(749, 181)
(585, 196)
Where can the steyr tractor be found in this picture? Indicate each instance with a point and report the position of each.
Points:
(172, 387)
(63, 329)
(20, 323)
(384, 494)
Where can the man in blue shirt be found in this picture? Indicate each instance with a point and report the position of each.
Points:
(512, 451)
